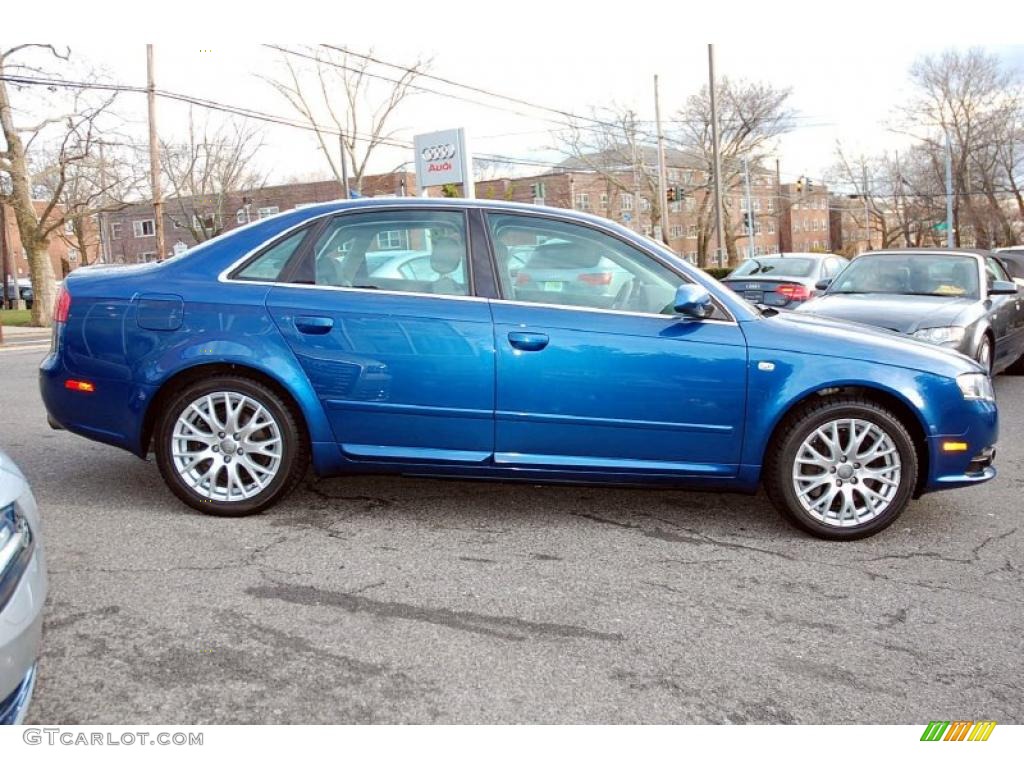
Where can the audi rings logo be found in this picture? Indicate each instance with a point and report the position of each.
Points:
(438, 152)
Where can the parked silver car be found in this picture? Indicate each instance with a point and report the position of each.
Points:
(784, 280)
(22, 592)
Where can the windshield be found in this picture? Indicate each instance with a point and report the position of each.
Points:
(910, 275)
(780, 267)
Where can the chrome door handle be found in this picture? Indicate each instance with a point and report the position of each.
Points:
(528, 342)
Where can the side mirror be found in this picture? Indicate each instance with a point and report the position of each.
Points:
(1002, 288)
(822, 285)
(692, 300)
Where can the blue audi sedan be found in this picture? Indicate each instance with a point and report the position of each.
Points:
(280, 345)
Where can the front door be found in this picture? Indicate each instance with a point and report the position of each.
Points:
(595, 371)
(399, 352)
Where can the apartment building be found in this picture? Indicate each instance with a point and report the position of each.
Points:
(804, 222)
(129, 235)
(65, 247)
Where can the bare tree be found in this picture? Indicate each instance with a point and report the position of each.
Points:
(216, 160)
(327, 85)
(41, 160)
(971, 99)
(611, 144)
(752, 116)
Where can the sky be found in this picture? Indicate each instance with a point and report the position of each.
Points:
(571, 57)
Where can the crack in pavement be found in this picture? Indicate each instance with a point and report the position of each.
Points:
(504, 627)
(974, 558)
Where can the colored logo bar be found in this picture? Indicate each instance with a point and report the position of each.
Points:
(958, 730)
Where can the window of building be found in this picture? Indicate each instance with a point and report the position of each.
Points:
(69, 227)
(676, 231)
(771, 203)
(691, 204)
(270, 210)
(692, 257)
(147, 257)
(757, 228)
(207, 222)
(72, 255)
(144, 228)
(393, 240)
(771, 227)
(757, 204)
(116, 230)
(604, 201)
(645, 204)
(626, 201)
(647, 230)
(691, 231)
(538, 193)
(242, 215)
(583, 201)
(676, 206)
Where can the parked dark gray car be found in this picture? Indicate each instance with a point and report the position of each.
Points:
(783, 280)
(960, 299)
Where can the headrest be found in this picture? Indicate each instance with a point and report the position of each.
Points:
(446, 255)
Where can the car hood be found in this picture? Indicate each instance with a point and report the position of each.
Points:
(901, 313)
(798, 331)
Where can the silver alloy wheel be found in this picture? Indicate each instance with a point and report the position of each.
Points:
(847, 472)
(226, 446)
(985, 354)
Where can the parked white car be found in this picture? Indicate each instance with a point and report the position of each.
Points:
(22, 592)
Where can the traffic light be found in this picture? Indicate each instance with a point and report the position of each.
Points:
(809, 185)
(671, 194)
(800, 185)
(746, 221)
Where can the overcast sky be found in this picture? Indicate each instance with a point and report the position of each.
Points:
(570, 57)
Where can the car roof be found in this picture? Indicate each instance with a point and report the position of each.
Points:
(978, 252)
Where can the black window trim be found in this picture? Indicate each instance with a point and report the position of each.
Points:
(304, 228)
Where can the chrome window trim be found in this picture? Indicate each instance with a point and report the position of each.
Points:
(222, 277)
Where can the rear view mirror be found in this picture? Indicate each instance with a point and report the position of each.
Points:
(1002, 288)
(692, 300)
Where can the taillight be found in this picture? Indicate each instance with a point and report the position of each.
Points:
(62, 307)
(596, 278)
(794, 291)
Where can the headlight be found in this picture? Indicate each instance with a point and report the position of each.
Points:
(976, 386)
(953, 334)
(16, 547)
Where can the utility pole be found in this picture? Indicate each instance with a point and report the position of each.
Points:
(662, 180)
(867, 212)
(101, 217)
(344, 166)
(949, 192)
(719, 223)
(636, 183)
(154, 159)
(750, 209)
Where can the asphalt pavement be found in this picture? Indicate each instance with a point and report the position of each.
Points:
(373, 599)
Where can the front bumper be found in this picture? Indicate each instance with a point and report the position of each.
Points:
(974, 449)
(21, 629)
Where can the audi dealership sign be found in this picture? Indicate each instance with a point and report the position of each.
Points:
(442, 158)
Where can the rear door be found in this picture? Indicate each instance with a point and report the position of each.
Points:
(403, 364)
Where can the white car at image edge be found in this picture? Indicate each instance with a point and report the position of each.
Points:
(22, 592)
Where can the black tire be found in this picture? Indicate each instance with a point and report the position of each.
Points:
(782, 453)
(294, 451)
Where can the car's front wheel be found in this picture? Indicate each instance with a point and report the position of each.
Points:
(841, 468)
(229, 446)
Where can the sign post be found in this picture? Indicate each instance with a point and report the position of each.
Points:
(442, 157)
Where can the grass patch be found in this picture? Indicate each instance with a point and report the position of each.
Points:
(15, 316)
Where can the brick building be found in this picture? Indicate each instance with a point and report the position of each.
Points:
(129, 235)
(618, 200)
(804, 222)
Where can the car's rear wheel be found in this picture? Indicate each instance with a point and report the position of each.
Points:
(230, 446)
(841, 468)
